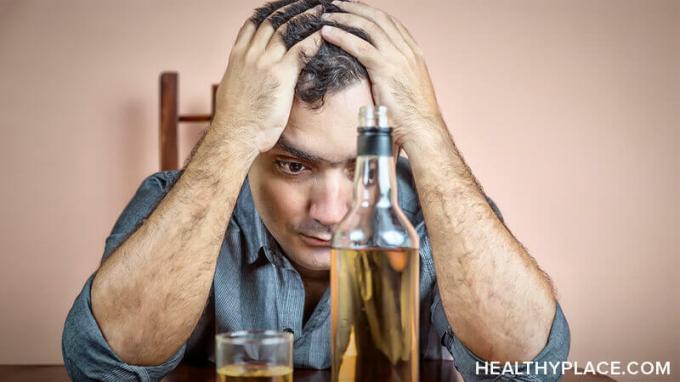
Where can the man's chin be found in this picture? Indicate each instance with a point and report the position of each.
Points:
(315, 259)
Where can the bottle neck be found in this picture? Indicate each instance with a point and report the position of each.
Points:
(375, 181)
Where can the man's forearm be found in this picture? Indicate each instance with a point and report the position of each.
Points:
(148, 296)
(499, 302)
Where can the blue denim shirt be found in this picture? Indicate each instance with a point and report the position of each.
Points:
(256, 286)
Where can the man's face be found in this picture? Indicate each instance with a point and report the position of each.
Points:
(302, 187)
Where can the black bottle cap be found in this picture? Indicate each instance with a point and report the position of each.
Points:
(375, 134)
(374, 141)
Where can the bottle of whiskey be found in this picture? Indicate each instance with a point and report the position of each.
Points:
(374, 269)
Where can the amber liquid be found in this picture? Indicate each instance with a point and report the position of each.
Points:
(254, 372)
(374, 314)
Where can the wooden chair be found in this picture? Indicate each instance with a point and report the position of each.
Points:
(170, 119)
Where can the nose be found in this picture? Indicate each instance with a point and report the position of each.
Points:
(331, 199)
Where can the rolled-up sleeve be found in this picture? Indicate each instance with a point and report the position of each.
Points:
(87, 355)
(473, 368)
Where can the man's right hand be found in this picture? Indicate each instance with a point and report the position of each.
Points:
(256, 93)
(150, 292)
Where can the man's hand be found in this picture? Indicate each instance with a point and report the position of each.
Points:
(395, 64)
(482, 270)
(149, 294)
(256, 93)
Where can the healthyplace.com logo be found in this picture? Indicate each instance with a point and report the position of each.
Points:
(561, 367)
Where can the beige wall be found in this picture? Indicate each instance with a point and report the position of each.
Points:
(567, 112)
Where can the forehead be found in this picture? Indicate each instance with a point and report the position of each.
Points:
(330, 131)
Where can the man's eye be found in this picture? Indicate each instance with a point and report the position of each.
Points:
(291, 168)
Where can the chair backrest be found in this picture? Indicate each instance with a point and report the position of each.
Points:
(170, 119)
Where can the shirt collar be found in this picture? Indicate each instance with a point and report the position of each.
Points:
(259, 241)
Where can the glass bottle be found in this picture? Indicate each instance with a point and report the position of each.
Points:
(374, 269)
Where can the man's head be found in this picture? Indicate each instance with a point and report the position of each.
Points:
(303, 186)
(331, 69)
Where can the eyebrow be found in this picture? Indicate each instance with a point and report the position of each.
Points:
(301, 154)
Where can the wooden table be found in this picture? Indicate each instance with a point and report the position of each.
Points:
(430, 371)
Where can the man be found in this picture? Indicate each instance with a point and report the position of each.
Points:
(240, 238)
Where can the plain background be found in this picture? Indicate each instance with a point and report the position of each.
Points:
(567, 112)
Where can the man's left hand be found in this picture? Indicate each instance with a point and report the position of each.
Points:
(396, 67)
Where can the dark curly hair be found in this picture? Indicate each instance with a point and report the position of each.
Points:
(331, 68)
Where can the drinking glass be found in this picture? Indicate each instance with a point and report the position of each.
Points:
(254, 355)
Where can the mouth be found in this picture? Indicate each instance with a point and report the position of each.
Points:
(316, 241)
